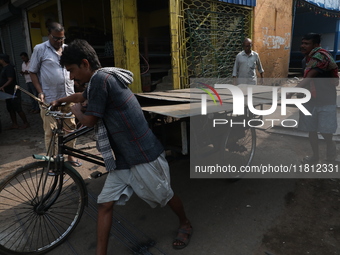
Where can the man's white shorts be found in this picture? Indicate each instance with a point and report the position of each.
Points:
(150, 181)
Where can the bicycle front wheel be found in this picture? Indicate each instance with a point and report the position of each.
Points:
(38, 210)
(239, 148)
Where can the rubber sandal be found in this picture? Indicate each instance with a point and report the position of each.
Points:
(309, 160)
(76, 163)
(184, 241)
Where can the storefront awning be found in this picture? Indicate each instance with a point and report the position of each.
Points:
(241, 2)
(333, 5)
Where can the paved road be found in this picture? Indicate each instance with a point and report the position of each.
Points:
(228, 218)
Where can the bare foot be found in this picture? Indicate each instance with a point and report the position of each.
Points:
(71, 158)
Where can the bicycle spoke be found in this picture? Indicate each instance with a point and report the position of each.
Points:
(49, 234)
(27, 232)
(13, 223)
(17, 236)
(35, 214)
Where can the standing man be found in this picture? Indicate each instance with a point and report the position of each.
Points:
(29, 84)
(7, 84)
(139, 165)
(321, 78)
(246, 62)
(50, 79)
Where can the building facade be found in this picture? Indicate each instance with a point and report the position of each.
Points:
(160, 41)
(318, 16)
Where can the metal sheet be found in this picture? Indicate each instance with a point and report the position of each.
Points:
(193, 94)
(190, 100)
(184, 110)
(176, 111)
(165, 98)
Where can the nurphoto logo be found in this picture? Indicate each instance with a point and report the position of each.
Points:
(239, 103)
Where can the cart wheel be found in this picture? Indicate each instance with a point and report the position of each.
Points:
(239, 149)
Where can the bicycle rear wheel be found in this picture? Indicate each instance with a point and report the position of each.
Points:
(239, 148)
(34, 217)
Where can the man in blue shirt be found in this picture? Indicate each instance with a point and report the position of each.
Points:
(51, 80)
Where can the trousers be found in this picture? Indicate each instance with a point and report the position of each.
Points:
(50, 123)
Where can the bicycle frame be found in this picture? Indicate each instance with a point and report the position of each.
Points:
(64, 149)
(59, 163)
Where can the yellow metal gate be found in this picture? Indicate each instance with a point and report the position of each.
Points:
(206, 37)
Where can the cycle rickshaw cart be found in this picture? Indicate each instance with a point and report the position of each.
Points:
(42, 202)
(227, 137)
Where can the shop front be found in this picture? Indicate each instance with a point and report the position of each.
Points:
(164, 43)
(82, 20)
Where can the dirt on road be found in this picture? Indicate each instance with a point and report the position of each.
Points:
(309, 222)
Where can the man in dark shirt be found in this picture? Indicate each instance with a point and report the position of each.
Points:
(321, 78)
(7, 84)
(139, 164)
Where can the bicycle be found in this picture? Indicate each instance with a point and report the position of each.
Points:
(42, 202)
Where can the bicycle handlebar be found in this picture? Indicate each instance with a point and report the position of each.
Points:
(58, 114)
(55, 114)
(31, 95)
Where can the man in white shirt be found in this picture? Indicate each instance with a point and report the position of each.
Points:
(246, 62)
(51, 80)
(30, 87)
